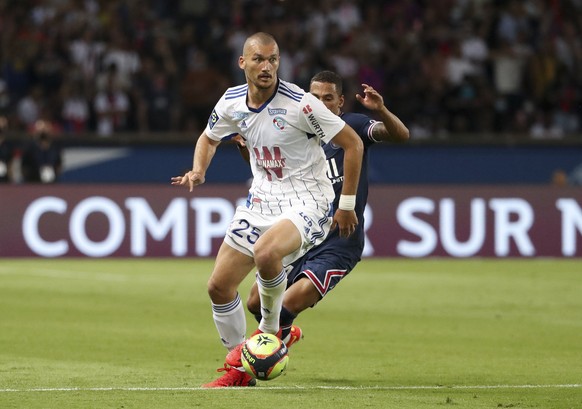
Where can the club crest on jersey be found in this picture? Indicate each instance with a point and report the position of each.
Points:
(277, 111)
(213, 119)
(279, 123)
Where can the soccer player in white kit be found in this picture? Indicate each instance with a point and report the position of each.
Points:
(290, 200)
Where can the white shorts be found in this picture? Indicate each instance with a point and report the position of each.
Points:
(247, 226)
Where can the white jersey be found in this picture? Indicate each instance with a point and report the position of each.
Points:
(284, 139)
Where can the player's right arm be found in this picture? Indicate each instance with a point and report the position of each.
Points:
(391, 128)
(346, 218)
(203, 154)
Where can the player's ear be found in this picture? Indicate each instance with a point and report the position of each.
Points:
(341, 101)
(241, 62)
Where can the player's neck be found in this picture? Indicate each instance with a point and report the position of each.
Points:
(258, 96)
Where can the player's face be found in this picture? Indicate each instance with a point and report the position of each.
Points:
(327, 93)
(260, 64)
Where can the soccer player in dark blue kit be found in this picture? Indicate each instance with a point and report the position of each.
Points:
(324, 266)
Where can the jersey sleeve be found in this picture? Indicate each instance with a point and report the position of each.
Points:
(220, 126)
(318, 119)
(363, 125)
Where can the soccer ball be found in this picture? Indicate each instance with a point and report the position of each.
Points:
(264, 356)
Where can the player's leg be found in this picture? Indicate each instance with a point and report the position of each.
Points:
(254, 302)
(309, 281)
(231, 267)
(298, 230)
(299, 296)
(282, 239)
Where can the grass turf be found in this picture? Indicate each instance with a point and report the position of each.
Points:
(395, 334)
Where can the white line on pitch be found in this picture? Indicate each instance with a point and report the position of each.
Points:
(298, 387)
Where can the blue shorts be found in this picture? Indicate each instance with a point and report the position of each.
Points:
(325, 266)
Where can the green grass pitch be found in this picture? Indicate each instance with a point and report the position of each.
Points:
(433, 333)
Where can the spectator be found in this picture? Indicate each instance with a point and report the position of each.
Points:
(41, 157)
(160, 100)
(508, 76)
(519, 53)
(111, 106)
(201, 86)
(29, 107)
(6, 153)
(85, 52)
(50, 66)
(4, 98)
(75, 109)
(120, 54)
(458, 66)
(544, 127)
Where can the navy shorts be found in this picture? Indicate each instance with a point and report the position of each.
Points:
(324, 266)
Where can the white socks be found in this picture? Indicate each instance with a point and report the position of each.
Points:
(230, 318)
(230, 322)
(271, 295)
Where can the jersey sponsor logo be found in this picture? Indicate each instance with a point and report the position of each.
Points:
(315, 125)
(277, 111)
(272, 162)
(307, 109)
(213, 119)
(238, 115)
(279, 123)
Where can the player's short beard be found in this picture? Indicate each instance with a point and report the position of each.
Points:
(260, 85)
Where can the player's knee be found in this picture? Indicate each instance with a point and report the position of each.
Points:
(219, 293)
(266, 256)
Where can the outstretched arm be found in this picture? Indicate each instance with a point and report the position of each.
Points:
(203, 154)
(391, 129)
(345, 217)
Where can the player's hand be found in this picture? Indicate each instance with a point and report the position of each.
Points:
(371, 99)
(346, 221)
(240, 141)
(189, 179)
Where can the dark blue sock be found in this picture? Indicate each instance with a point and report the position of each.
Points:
(285, 321)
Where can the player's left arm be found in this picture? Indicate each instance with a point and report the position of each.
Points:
(391, 128)
(345, 217)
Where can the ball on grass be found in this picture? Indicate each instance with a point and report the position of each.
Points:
(264, 356)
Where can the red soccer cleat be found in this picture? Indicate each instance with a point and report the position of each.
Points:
(294, 336)
(233, 356)
(233, 377)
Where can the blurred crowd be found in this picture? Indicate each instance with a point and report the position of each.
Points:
(444, 67)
